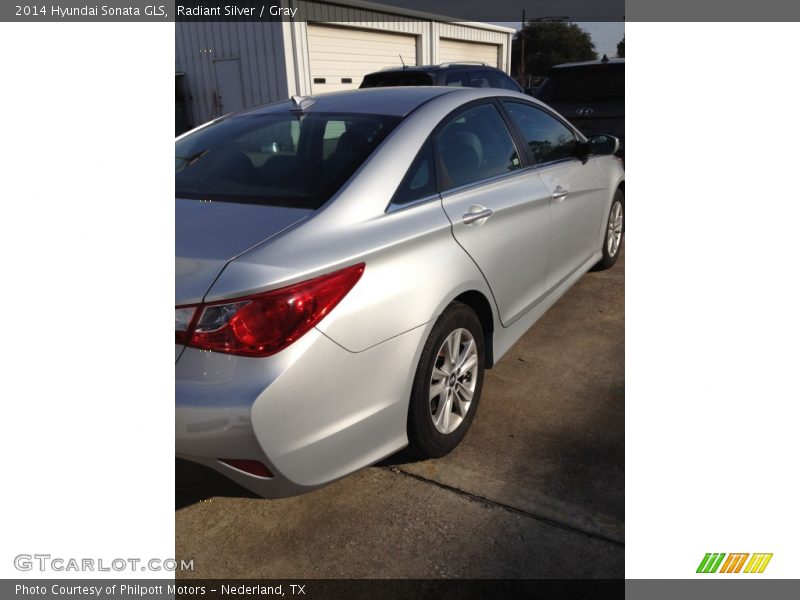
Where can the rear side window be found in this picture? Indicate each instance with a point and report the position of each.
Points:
(457, 79)
(395, 78)
(548, 139)
(480, 79)
(475, 145)
(420, 181)
(502, 81)
(277, 159)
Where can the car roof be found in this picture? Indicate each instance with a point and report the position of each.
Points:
(589, 63)
(390, 101)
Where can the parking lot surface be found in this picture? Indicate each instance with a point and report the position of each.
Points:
(535, 490)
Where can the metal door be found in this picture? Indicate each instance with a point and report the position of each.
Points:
(576, 209)
(500, 210)
(230, 96)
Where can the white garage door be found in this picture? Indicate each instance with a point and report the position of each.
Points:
(341, 56)
(451, 51)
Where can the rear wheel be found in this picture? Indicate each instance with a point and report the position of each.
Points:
(615, 233)
(448, 382)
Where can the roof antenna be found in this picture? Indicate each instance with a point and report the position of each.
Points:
(604, 59)
(402, 62)
(300, 103)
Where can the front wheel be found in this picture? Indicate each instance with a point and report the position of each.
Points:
(615, 233)
(447, 384)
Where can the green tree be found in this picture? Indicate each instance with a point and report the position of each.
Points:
(621, 48)
(550, 43)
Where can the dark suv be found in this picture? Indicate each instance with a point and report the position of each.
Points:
(478, 75)
(590, 94)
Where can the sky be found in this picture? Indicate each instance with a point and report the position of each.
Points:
(604, 35)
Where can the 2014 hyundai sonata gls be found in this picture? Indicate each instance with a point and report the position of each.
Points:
(348, 265)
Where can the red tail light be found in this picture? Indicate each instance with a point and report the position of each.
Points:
(264, 324)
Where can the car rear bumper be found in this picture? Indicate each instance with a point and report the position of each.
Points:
(311, 414)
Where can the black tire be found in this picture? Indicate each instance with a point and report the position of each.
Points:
(610, 258)
(424, 438)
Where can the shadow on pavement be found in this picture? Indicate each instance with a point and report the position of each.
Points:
(404, 457)
(195, 483)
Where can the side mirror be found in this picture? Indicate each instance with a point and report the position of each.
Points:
(603, 145)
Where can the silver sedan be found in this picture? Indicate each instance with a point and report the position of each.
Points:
(348, 265)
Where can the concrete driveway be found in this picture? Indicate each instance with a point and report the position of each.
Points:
(536, 489)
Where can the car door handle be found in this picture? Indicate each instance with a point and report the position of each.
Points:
(560, 193)
(476, 214)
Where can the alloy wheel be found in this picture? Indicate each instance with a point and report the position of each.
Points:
(455, 374)
(614, 234)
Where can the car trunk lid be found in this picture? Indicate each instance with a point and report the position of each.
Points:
(208, 235)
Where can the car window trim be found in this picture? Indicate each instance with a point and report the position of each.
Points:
(526, 157)
(393, 208)
(486, 181)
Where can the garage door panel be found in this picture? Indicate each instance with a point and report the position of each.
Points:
(451, 51)
(349, 46)
(375, 56)
(337, 53)
(334, 67)
(374, 53)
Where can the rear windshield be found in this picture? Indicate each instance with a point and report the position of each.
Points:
(283, 159)
(592, 84)
(395, 78)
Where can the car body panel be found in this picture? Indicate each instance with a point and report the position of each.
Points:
(575, 216)
(307, 430)
(514, 239)
(336, 399)
(209, 234)
(505, 337)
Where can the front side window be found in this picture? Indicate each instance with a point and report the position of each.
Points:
(475, 145)
(281, 159)
(548, 139)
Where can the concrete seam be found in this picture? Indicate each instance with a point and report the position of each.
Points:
(507, 507)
